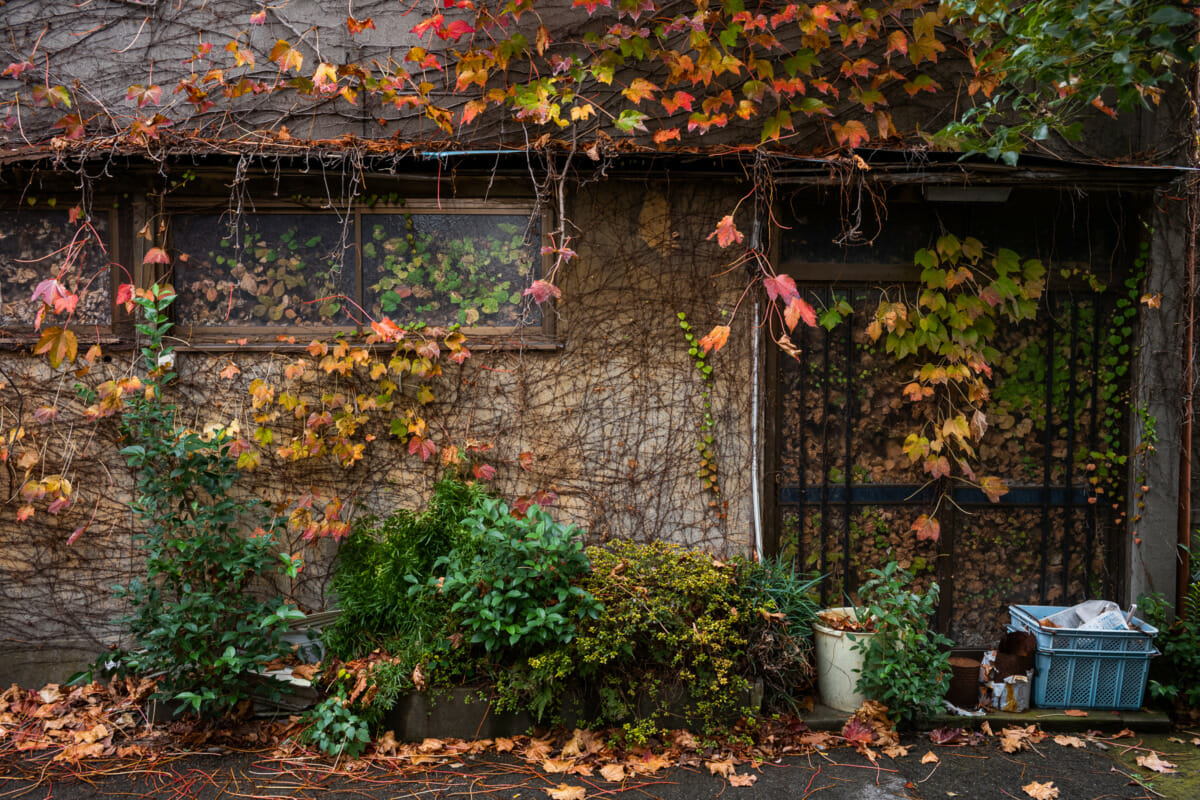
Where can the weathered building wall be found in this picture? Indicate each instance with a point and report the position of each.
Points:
(610, 417)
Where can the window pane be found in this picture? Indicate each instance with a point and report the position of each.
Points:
(441, 269)
(287, 269)
(36, 245)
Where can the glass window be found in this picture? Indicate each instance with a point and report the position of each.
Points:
(264, 270)
(37, 244)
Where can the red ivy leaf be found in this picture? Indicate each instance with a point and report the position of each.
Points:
(423, 447)
(945, 735)
(156, 255)
(926, 527)
(855, 731)
(541, 291)
(484, 472)
(592, 5)
(726, 232)
(780, 286)
(259, 18)
(677, 101)
(72, 125)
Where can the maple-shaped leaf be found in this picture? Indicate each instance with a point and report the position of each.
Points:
(58, 345)
(857, 732)
(665, 135)
(592, 5)
(641, 89)
(613, 773)
(799, 309)
(231, 371)
(357, 26)
(938, 467)
(722, 767)
(55, 295)
(72, 125)
(629, 121)
(286, 56)
(927, 528)
(677, 101)
(44, 414)
(1041, 791)
(455, 30)
(897, 43)
(53, 96)
(726, 232)
(742, 780)
(993, 487)
(421, 446)
(325, 76)
(541, 291)
(852, 134)
(567, 792)
(780, 286)
(144, 95)
(15, 69)
(715, 339)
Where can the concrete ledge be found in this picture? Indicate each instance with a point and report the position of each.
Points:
(823, 718)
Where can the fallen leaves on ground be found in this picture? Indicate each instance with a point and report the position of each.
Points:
(1041, 791)
(567, 792)
(1075, 712)
(1151, 761)
(742, 780)
(1070, 741)
(930, 758)
(1015, 739)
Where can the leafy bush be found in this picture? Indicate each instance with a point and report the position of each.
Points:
(195, 623)
(1178, 672)
(905, 664)
(780, 635)
(512, 582)
(335, 729)
(381, 561)
(681, 632)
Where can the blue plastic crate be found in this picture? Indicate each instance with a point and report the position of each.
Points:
(1087, 669)
(1140, 640)
(1115, 681)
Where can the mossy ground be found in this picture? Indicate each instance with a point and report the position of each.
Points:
(1177, 748)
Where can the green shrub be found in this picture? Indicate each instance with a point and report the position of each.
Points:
(780, 635)
(195, 623)
(1178, 671)
(335, 729)
(905, 664)
(379, 564)
(512, 582)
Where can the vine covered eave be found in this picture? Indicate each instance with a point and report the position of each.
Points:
(906, 164)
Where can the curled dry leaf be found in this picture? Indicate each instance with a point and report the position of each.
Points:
(554, 765)
(1070, 741)
(504, 745)
(1075, 712)
(724, 767)
(613, 773)
(1151, 761)
(742, 780)
(567, 792)
(1041, 791)
(930, 758)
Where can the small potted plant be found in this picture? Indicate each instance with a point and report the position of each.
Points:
(906, 664)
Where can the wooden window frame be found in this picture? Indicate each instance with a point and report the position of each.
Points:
(273, 336)
(117, 329)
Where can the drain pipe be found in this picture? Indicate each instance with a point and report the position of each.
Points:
(1183, 565)
(755, 489)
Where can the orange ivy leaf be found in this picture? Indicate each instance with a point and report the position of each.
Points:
(286, 56)
(325, 75)
(641, 89)
(665, 135)
(993, 487)
(358, 26)
(144, 94)
(927, 528)
(715, 339)
(853, 133)
(58, 345)
(677, 101)
(897, 43)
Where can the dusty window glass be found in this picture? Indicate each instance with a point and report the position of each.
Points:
(273, 270)
(37, 244)
(441, 269)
